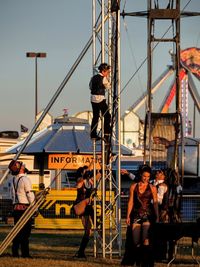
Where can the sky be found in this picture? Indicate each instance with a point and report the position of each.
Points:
(61, 28)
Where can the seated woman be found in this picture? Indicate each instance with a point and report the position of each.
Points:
(142, 211)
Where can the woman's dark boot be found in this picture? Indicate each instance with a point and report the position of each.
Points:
(147, 258)
(83, 245)
(138, 256)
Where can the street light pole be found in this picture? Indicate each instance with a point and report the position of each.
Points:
(36, 89)
(36, 56)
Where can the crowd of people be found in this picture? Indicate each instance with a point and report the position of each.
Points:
(23, 196)
(150, 201)
(154, 197)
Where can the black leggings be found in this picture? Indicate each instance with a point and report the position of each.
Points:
(103, 108)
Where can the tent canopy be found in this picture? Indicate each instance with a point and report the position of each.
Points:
(66, 135)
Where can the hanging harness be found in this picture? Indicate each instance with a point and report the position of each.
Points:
(17, 205)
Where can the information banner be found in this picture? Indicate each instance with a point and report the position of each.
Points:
(71, 161)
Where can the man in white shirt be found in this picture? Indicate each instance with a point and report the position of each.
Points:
(161, 185)
(161, 249)
(98, 84)
(129, 174)
(22, 197)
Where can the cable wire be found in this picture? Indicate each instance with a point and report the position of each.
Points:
(145, 59)
(132, 54)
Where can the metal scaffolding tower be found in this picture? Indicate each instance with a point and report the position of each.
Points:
(107, 234)
(171, 13)
(157, 12)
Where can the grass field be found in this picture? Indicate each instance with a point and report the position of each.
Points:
(51, 248)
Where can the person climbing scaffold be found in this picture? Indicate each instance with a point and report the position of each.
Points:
(98, 85)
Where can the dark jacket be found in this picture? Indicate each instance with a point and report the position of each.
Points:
(96, 85)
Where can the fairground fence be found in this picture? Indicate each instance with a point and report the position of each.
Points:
(57, 212)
